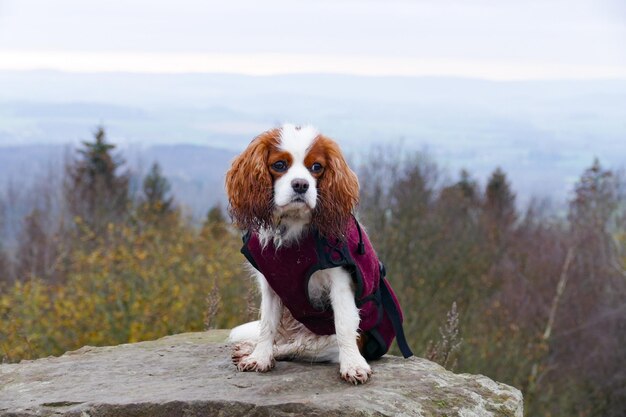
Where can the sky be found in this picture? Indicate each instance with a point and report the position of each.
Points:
(491, 39)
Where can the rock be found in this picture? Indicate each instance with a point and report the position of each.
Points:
(191, 374)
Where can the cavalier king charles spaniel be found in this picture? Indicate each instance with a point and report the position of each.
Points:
(294, 195)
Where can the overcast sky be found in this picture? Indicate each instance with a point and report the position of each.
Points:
(496, 39)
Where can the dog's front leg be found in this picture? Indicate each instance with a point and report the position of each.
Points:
(262, 357)
(352, 366)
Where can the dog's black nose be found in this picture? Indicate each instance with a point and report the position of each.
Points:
(300, 185)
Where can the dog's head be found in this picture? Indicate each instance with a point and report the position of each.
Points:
(292, 173)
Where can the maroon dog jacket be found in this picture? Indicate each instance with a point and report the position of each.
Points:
(288, 270)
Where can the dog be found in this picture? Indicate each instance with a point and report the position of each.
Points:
(324, 296)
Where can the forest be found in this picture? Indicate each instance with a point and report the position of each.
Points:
(533, 297)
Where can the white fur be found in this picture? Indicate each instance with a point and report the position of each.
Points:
(337, 283)
(297, 342)
(247, 331)
(296, 141)
(261, 359)
(277, 335)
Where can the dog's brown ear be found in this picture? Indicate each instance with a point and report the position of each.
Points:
(249, 184)
(338, 190)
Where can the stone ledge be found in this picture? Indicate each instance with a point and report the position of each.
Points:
(190, 374)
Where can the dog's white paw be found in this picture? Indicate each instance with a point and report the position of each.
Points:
(357, 372)
(240, 351)
(252, 362)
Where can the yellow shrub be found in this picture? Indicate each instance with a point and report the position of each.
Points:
(131, 284)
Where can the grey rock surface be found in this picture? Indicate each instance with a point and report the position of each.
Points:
(191, 374)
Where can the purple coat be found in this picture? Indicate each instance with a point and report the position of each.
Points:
(288, 270)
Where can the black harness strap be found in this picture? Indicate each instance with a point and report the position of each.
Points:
(388, 303)
(394, 316)
(361, 247)
(246, 252)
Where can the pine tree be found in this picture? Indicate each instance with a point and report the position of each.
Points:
(468, 187)
(499, 206)
(156, 188)
(94, 190)
(4, 266)
(215, 224)
(460, 199)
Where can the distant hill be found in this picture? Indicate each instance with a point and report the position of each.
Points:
(542, 133)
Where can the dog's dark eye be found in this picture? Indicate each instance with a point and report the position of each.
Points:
(316, 168)
(279, 166)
